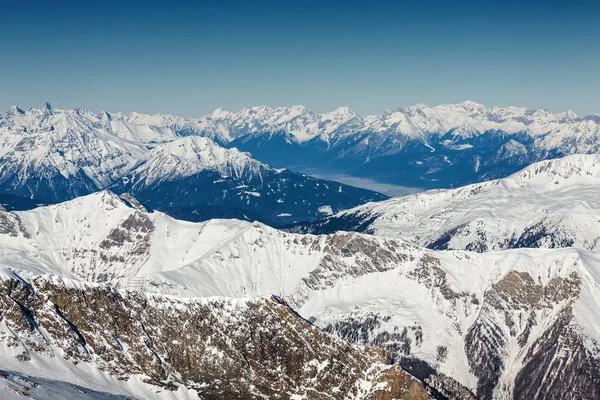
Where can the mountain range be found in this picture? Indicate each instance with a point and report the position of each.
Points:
(467, 325)
(151, 256)
(417, 146)
(49, 155)
(553, 203)
(194, 179)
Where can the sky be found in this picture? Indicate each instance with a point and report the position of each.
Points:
(190, 58)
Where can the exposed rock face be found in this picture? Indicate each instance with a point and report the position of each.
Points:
(523, 343)
(348, 254)
(135, 231)
(441, 386)
(525, 306)
(11, 224)
(221, 348)
(573, 367)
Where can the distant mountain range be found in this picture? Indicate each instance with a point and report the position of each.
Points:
(417, 146)
(50, 155)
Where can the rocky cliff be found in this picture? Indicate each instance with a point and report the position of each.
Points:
(218, 348)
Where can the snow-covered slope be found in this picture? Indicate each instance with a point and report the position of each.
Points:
(195, 179)
(503, 323)
(101, 237)
(16, 386)
(185, 157)
(554, 203)
(163, 127)
(51, 155)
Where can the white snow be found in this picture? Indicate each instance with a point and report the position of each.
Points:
(326, 210)
(329, 277)
(67, 239)
(562, 194)
(320, 275)
(188, 156)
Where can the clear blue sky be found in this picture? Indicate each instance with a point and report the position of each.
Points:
(188, 59)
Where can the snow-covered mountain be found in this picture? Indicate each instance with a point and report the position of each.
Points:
(101, 237)
(53, 155)
(513, 324)
(195, 179)
(553, 203)
(416, 146)
(104, 291)
(425, 147)
(157, 346)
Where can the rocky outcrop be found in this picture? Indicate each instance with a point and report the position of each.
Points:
(524, 341)
(355, 255)
(221, 348)
(11, 224)
(559, 362)
(513, 307)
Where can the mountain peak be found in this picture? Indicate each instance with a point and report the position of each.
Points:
(255, 109)
(82, 110)
(298, 110)
(190, 155)
(219, 113)
(47, 107)
(104, 200)
(411, 110)
(471, 105)
(570, 115)
(16, 110)
(343, 110)
(337, 117)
